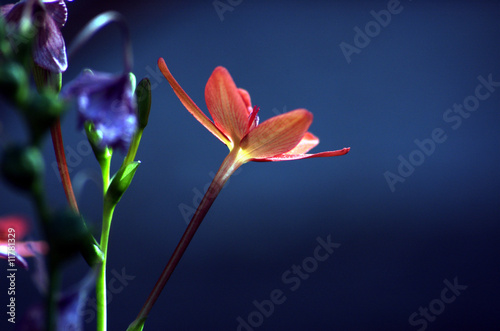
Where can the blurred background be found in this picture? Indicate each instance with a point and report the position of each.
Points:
(412, 209)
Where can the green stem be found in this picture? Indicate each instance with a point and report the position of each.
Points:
(54, 283)
(134, 145)
(228, 167)
(107, 216)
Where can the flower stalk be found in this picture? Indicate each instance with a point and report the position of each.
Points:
(62, 165)
(230, 164)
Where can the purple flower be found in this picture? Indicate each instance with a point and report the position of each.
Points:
(48, 17)
(107, 101)
(70, 307)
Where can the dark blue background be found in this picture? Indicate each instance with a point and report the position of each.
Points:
(397, 248)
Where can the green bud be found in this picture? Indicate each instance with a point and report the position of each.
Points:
(14, 84)
(121, 181)
(68, 235)
(42, 110)
(5, 50)
(95, 136)
(143, 96)
(22, 166)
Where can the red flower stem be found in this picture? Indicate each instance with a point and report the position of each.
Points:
(57, 141)
(228, 167)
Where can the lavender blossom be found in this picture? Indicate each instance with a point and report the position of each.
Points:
(107, 101)
(48, 17)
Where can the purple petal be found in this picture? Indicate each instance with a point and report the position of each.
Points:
(4, 10)
(12, 12)
(49, 49)
(58, 11)
(107, 101)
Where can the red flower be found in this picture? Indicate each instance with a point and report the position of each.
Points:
(12, 230)
(280, 138)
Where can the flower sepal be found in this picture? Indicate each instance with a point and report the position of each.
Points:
(120, 182)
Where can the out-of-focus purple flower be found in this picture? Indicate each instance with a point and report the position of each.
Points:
(107, 101)
(69, 309)
(48, 17)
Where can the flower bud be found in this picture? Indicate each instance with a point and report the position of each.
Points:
(22, 166)
(143, 97)
(68, 235)
(14, 83)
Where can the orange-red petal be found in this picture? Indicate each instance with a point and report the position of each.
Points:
(308, 142)
(226, 105)
(277, 135)
(246, 100)
(190, 105)
(290, 157)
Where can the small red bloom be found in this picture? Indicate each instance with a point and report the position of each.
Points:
(12, 230)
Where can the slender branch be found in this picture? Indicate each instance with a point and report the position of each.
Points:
(228, 167)
(58, 144)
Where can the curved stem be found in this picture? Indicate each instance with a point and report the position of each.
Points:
(98, 23)
(228, 167)
(57, 141)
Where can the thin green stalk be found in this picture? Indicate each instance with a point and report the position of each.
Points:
(107, 216)
(134, 145)
(228, 167)
(54, 283)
